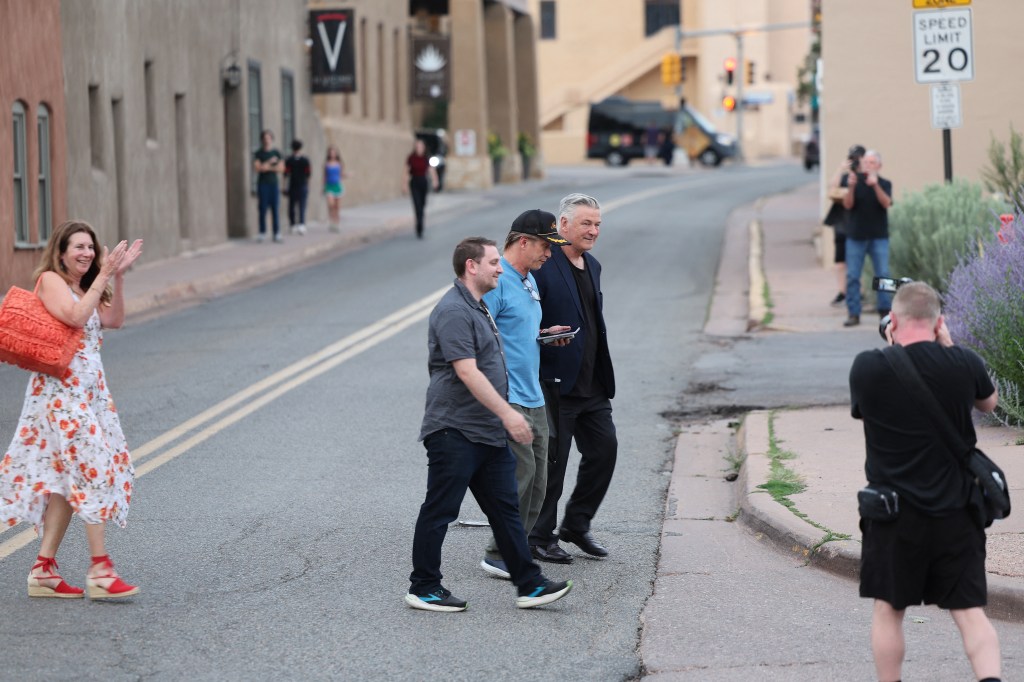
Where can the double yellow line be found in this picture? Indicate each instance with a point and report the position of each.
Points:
(250, 399)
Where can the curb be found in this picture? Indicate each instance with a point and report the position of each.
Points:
(764, 515)
(789, 533)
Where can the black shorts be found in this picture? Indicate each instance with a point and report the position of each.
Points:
(840, 241)
(919, 559)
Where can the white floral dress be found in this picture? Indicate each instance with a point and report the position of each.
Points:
(68, 442)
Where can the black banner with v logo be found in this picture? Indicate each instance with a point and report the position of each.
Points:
(333, 57)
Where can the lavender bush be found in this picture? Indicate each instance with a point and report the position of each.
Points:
(984, 307)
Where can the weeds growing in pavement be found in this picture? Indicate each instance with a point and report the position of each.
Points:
(766, 292)
(784, 482)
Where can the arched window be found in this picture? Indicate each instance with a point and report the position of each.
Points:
(20, 176)
(45, 193)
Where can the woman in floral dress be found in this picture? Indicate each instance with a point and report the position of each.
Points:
(69, 455)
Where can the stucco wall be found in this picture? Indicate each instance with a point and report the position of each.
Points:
(181, 194)
(870, 95)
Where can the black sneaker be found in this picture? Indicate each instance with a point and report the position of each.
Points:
(852, 321)
(838, 300)
(545, 593)
(438, 600)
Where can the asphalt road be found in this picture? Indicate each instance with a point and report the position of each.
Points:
(272, 538)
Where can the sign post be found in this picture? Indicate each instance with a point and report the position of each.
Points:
(944, 56)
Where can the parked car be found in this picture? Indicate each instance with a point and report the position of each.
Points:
(615, 131)
(437, 149)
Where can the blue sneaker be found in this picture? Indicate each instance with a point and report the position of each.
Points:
(496, 567)
(545, 593)
(438, 600)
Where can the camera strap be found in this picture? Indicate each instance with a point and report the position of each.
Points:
(911, 379)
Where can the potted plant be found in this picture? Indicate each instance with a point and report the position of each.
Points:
(497, 151)
(527, 151)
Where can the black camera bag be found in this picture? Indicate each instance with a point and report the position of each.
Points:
(991, 492)
(878, 503)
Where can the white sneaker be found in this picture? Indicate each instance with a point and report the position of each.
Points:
(260, 238)
(279, 239)
(301, 229)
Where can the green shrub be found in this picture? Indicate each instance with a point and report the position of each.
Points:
(1005, 174)
(931, 230)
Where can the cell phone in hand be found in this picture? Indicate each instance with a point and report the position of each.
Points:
(548, 338)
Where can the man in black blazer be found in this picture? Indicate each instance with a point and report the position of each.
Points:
(578, 382)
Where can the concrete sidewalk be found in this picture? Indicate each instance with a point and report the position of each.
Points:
(826, 443)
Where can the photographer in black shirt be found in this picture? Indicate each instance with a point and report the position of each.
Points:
(934, 551)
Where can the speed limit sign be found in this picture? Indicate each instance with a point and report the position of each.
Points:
(943, 50)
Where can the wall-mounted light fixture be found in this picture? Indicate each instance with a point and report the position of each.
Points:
(230, 72)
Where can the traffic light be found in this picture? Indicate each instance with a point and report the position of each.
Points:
(749, 68)
(730, 69)
(729, 103)
(671, 69)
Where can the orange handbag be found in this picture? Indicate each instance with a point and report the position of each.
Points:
(32, 338)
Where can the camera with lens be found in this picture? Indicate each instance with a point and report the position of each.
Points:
(889, 286)
(854, 156)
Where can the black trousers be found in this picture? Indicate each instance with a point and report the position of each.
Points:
(456, 464)
(418, 190)
(588, 421)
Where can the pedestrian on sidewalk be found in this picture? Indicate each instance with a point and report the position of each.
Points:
(515, 307)
(267, 164)
(334, 174)
(837, 217)
(418, 170)
(297, 171)
(867, 232)
(579, 384)
(933, 552)
(69, 455)
(465, 431)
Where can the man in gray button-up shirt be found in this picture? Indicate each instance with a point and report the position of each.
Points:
(464, 431)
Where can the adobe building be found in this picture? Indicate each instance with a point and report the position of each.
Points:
(593, 50)
(494, 90)
(142, 117)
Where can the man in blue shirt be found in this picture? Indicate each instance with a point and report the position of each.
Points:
(515, 306)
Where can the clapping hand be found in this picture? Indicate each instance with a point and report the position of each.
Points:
(130, 256)
(117, 262)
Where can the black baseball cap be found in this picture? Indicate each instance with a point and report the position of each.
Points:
(539, 224)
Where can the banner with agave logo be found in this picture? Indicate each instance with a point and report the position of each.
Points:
(431, 68)
(332, 57)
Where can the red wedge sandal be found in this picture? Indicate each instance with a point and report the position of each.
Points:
(36, 588)
(117, 589)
